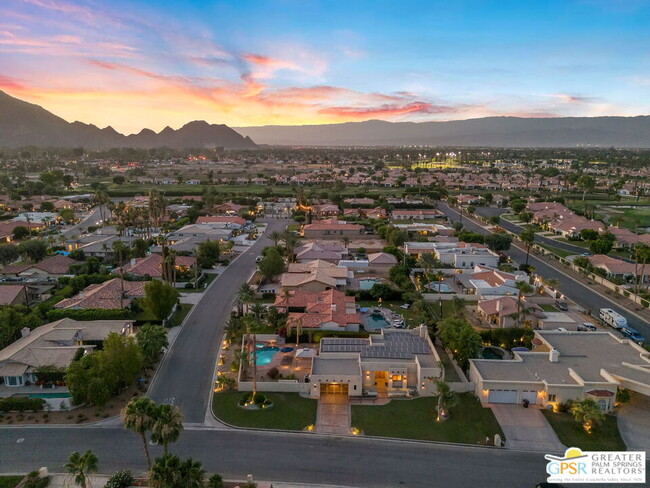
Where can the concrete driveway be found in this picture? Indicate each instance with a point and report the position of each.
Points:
(333, 415)
(526, 428)
(634, 423)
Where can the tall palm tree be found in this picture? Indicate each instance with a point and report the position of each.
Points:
(245, 295)
(524, 289)
(276, 237)
(641, 257)
(294, 324)
(101, 199)
(80, 465)
(428, 263)
(167, 426)
(233, 328)
(445, 398)
(157, 207)
(166, 472)
(528, 238)
(290, 243)
(151, 340)
(139, 416)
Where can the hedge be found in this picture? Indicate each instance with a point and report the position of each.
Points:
(89, 314)
(21, 404)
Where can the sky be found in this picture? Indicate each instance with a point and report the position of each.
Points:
(132, 64)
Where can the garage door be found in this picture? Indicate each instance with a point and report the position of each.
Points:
(502, 396)
(531, 396)
(334, 388)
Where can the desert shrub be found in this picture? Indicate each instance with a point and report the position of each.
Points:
(121, 479)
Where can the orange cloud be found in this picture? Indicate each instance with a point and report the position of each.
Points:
(385, 111)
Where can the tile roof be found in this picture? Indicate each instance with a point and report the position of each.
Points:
(9, 293)
(54, 265)
(152, 265)
(319, 308)
(105, 295)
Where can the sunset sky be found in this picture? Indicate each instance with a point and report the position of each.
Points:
(133, 64)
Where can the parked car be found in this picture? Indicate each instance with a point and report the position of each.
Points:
(561, 305)
(587, 326)
(259, 259)
(562, 329)
(633, 334)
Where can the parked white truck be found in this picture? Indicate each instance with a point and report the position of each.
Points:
(612, 318)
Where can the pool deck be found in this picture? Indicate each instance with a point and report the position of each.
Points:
(298, 367)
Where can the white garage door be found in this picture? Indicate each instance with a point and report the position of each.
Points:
(531, 396)
(502, 396)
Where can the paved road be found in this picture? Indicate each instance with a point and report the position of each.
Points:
(298, 458)
(185, 376)
(577, 291)
(91, 219)
(509, 226)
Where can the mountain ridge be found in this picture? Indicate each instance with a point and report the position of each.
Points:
(27, 124)
(496, 131)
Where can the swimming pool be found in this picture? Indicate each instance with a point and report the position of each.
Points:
(373, 322)
(62, 394)
(489, 352)
(368, 283)
(439, 287)
(265, 355)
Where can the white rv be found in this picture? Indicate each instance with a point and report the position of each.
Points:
(612, 318)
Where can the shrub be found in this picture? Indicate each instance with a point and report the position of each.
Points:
(259, 398)
(215, 481)
(273, 373)
(88, 314)
(33, 481)
(121, 479)
(21, 404)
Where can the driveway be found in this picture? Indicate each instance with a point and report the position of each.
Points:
(634, 423)
(526, 429)
(333, 415)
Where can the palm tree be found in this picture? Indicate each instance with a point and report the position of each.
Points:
(290, 243)
(346, 241)
(528, 238)
(101, 199)
(445, 397)
(460, 306)
(157, 207)
(139, 416)
(245, 295)
(524, 289)
(233, 328)
(167, 426)
(258, 310)
(80, 465)
(166, 472)
(587, 413)
(641, 257)
(276, 237)
(428, 263)
(151, 340)
(294, 324)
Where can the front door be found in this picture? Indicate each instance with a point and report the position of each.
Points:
(381, 379)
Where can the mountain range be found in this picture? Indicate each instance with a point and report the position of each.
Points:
(26, 124)
(630, 132)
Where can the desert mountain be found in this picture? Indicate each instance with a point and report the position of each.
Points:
(26, 124)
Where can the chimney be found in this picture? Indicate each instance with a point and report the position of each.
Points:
(25, 331)
(333, 307)
(499, 305)
(554, 356)
(132, 261)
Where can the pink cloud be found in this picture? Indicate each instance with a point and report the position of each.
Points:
(386, 110)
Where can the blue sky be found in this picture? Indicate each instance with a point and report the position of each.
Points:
(134, 64)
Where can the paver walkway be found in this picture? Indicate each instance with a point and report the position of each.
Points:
(333, 415)
(634, 423)
(526, 428)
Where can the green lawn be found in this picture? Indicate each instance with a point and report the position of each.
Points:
(547, 307)
(9, 481)
(584, 244)
(180, 314)
(290, 411)
(209, 278)
(555, 250)
(605, 437)
(469, 422)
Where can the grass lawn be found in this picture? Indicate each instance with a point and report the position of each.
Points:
(450, 372)
(555, 250)
(289, 412)
(547, 307)
(209, 278)
(469, 422)
(9, 481)
(605, 437)
(180, 314)
(584, 244)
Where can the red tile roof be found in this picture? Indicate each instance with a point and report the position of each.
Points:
(105, 295)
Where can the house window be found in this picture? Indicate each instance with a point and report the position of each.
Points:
(602, 404)
(12, 380)
(551, 397)
(397, 377)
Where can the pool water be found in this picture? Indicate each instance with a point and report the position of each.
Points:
(439, 287)
(374, 322)
(491, 353)
(368, 283)
(44, 395)
(265, 355)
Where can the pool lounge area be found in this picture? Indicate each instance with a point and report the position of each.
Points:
(375, 319)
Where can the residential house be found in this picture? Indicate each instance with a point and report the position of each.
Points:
(109, 295)
(15, 295)
(151, 266)
(54, 344)
(484, 281)
(619, 269)
(365, 213)
(626, 239)
(326, 310)
(229, 208)
(7, 229)
(460, 255)
(52, 267)
(330, 251)
(395, 362)
(325, 211)
(565, 366)
(315, 276)
(332, 229)
(501, 312)
(228, 222)
(416, 214)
